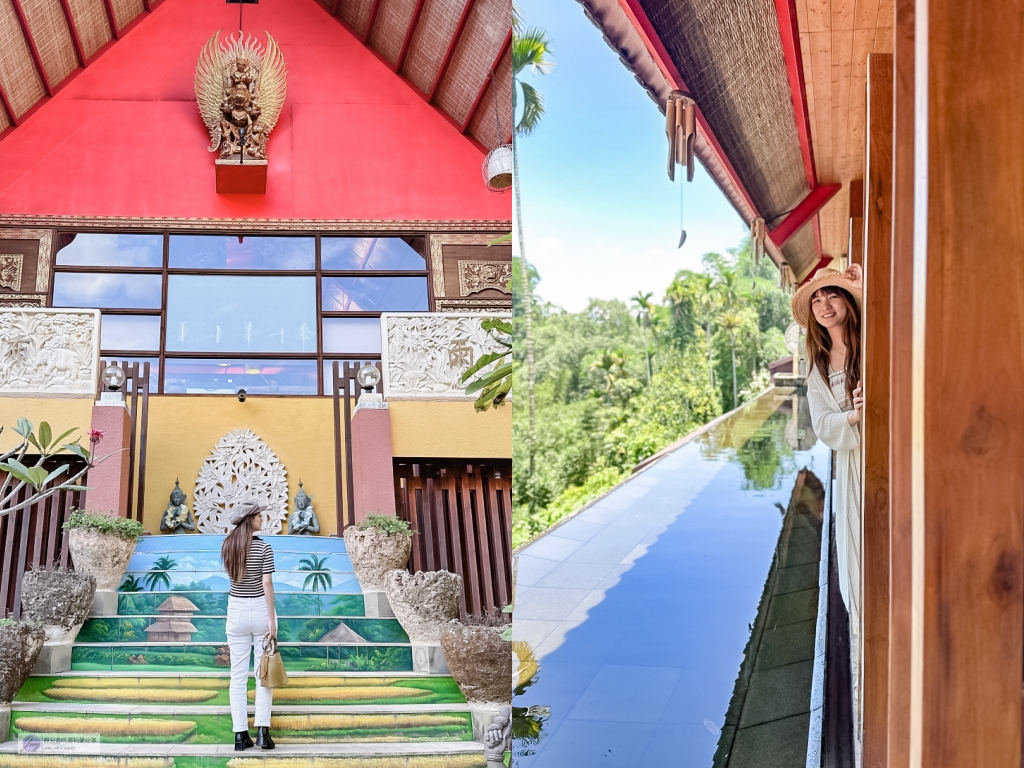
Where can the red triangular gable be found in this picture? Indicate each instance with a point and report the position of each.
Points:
(354, 141)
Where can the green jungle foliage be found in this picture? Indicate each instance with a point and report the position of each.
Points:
(616, 383)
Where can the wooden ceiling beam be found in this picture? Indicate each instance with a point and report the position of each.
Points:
(451, 50)
(7, 107)
(487, 81)
(369, 21)
(789, 32)
(76, 41)
(408, 35)
(112, 18)
(32, 47)
(804, 212)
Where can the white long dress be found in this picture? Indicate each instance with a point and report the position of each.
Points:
(828, 416)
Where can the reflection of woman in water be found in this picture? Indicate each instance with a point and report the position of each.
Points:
(828, 306)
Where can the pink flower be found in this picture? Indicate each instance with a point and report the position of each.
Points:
(95, 435)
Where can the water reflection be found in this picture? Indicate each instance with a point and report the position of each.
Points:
(527, 722)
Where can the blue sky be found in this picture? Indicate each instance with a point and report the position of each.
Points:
(600, 216)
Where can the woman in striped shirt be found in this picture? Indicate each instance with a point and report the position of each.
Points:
(249, 562)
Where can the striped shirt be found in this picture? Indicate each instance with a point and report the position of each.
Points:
(837, 382)
(259, 562)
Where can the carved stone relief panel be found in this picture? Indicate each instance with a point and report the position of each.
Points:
(49, 351)
(437, 256)
(241, 466)
(22, 300)
(476, 276)
(35, 246)
(11, 265)
(425, 354)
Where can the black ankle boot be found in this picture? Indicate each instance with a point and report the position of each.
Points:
(263, 740)
(242, 740)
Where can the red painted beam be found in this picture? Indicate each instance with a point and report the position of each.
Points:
(369, 21)
(789, 32)
(23, 22)
(823, 262)
(76, 41)
(7, 107)
(451, 50)
(112, 18)
(803, 213)
(487, 81)
(408, 35)
(635, 12)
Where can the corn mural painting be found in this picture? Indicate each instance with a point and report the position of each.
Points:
(206, 683)
(411, 761)
(155, 695)
(109, 727)
(68, 761)
(342, 692)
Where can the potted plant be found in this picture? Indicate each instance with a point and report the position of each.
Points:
(102, 545)
(423, 603)
(60, 600)
(20, 644)
(378, 544)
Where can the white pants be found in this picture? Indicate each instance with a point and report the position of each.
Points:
(246, 626)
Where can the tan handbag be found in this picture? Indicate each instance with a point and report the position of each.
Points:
(271, 673)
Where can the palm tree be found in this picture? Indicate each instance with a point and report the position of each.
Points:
(319, 578)
(158, 574)
(130, 584)
(642, 303)
(530, 50)
(735, 320)
(612, 367)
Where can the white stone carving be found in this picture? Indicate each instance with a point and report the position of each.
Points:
(241, 466)
(425, 354)
(477, 276)
(49, 351)
(11, 266)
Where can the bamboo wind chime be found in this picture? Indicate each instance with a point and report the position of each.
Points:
(681, 128)
(758, 232)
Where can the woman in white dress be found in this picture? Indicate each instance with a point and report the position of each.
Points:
(829, 307)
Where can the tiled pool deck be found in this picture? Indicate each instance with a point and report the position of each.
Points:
(640, 609)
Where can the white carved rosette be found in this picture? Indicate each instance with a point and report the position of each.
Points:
(425, 354)
(241, 466)
(49, 351)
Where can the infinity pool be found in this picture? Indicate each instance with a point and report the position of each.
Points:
(673, 622)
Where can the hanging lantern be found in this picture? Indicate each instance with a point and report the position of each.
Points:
(758, 233)
(681, 129)
(497, 168)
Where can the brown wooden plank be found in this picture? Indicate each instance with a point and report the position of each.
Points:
(434, 491)
(39, 520)
(131, 371)
(64, 500)
(143, 439)
(54, 531)
(900, 388)
(338, 497)
(875, 427)
(25, 523)
(820, 46)
(968, 498)
(485, 554)
(462, 542)
(350, 486)
(7, 573)
(499, 543)
(475, 543)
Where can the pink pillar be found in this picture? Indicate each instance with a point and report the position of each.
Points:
(373, 471)
(108, 482)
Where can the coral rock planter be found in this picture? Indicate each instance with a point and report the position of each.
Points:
(423, 603)
(20, 644)
(59, 600)
(373, 553)
(481, 663)
(105, 556)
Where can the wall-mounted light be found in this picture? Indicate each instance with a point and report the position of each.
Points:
(368, 377)
(113, 378)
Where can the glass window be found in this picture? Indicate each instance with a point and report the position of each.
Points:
(352, 335)
(232, 252)
(106, 290)
(154, 369)
(392, 253)
(87, 249)
(130, 332)
(228, 375)
(228, 313)
(375, 294)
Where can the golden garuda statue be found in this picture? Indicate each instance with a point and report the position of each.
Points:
(240, 89)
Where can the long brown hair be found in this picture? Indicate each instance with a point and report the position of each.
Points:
(819, 343)
(235, 549)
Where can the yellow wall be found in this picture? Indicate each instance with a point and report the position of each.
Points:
(433, 429)
(61, 413)
(184, 430)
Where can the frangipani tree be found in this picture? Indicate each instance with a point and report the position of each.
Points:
(43, 483)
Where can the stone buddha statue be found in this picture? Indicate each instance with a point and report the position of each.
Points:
(303, 520)
(177, 517)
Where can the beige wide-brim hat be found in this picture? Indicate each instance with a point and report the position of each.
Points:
(848, 280)
(244, 509)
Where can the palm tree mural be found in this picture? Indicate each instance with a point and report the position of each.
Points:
(158, 574)
(319, 579)
(531, 50)
(130, 584)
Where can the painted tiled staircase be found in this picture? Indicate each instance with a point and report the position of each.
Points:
(138, 699)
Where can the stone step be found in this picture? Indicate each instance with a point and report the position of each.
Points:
(286, 709)
(194, 657)
(210, 603)
(351, 689)
(216, 727)
(291, 581)
(451, 754)
(191, 543)
(212, 629)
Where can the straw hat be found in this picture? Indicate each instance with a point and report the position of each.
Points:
(849, 280)
(244, 509)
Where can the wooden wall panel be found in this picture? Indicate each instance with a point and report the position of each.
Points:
(481, 40)
(900, 381)
(19, 78)
(437, 23)
(875, 428)
(968, 406)
(50, 31)
(126, 11)
(90, 18)
(390, 27)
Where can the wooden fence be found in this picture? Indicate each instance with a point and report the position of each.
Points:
(345, 391)
(462, 514)
(136, 394)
